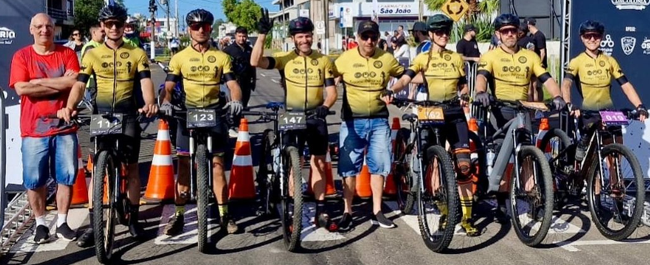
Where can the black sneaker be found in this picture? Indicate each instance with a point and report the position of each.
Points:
(323, 220)
(64, 232)
(381, 220)
(229, 223)
(41, 235)
(175, 225)
(345, 224)
(87, 239)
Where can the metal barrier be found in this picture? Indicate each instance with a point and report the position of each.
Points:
(470, 74)
(3, 158)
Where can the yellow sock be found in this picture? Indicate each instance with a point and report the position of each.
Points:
(466, 207)
(223, 209)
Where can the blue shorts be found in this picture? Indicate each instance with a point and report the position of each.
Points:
(52, 156)
(357, 135)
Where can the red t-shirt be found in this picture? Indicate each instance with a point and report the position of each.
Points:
(352, 45)
(34, 111)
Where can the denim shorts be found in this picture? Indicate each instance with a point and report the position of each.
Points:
(52, 156)
(358, 134)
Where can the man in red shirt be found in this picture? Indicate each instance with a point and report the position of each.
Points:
(42, 75)
(352, 43)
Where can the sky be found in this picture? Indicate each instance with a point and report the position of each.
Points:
(185, 6)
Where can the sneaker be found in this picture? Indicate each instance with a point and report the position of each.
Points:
(64, 232)
(175, 225)
(469, 228)
(233, 132)
(230, 225)
(135, 229)
(41, 235)
(87, 239)
(345, 224)
(500, 215)
(381, 220)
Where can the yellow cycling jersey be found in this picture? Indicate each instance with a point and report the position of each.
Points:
(594, 78)
(201, 74)
(117, 73)
(443, 72)
(304, 78)
(363, 80)
(509, 74)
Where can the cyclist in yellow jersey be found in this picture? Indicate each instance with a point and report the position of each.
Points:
(365, 72)
(509, 69)
(117, 66)
(444, 78)
(201, 68)
(593, 72)
(305, 72)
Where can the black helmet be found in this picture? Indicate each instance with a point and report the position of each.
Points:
(439, 22)
(506, 20)
(300, 25)
(199, 16)
(592, 26)
(113, 11)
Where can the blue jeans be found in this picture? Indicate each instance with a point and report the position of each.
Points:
(358, 134)
(52, 156)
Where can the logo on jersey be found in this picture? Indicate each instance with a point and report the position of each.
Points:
(212, 59)
(314, 62)
(646, 46)
(601, 63)
(296, 71)
(357, 75)
(200, 68)
(124, 55)
(627, 44)
(377, 64)
(7, 36)
(438, 65)
(522, 59)
(107, 65)
(358, 65)
(595, 72)
(511, 69)
(631, 4)
(607, 45)
(106, 56)
(194, 60)
(447, 57)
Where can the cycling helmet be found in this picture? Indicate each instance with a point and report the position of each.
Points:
(199, 16)
(131, 20)
(113, 11)
(506, 20)
(300, 25)
(439, 22)
(592, 26)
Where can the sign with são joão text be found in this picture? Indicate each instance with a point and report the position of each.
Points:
(396, 9)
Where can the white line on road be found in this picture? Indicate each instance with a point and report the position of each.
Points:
(572, 245)
(275, 81)
(262, 74)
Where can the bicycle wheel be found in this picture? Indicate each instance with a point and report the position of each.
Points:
(438, 200)
(202, 191)
(552, 145)
(292, 207)
(104, 211)
(402, 173)
(531, 202)
(612, 199)
(266, 174)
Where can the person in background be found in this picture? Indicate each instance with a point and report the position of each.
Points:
(403, 51)
(174, 44)
(131, 34)
(245, 74)
(383, 44)
(97, 35)
(400, 34)
(388, 37)
(352, 43)
(421, 37)
(494, 42)
(540, 49)
(76, 42)
(525, 41)
(344, 44)
(467, 46)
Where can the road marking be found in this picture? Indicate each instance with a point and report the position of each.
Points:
(275, 81)
(26, 243)
(571, 246)
(262, 74)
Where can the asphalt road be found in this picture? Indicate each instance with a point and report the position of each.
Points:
(572, 239)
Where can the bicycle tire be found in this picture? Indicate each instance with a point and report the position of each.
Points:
(202, 198)
(292, 230)
(558, 167)
(632, 224)
(104, 232)
(546, 192)
(266, 174)
(401, 173)
(452, 201)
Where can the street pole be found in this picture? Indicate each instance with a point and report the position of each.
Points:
(421, 10)
(152, 9)
(168, 26)
(326, 21)
(177, 21)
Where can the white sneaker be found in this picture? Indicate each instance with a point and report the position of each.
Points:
(233, 133)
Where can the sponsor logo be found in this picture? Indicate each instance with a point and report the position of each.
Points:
(631, 4)
(646, 46)
(511, 69)
(110, 65)
(439, 65)
(200, 68)
(601, 63)
(522, 59)
(358, 65)
(627, 44)
(212, 59)
(607, 45)
(595, 72)
(314, 62)
(124, 55)
(447, 57)
(357, 75)
(7, 36)
(195, 60)
(377, 64)
(505, 60)
(106, 56)
(296, 71)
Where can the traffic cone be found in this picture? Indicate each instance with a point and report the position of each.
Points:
(80, 189)
(241, 184)
(329, 179)
(473, 127)
(390, 189)
(89, 165)
(161, 177)
(543, 129)
(363, 189)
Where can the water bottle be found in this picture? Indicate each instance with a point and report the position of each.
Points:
(421, 93)
(490, 159)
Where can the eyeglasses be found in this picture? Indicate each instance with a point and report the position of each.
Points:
(197, 26)
(594, 36)
(372, 37)
(110, 23)
(508, 31)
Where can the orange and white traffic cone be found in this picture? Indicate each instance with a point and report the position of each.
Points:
(89, 164)
(80, 188)
(241, 184)
(161, 177)
(543, 129)
(390, 189)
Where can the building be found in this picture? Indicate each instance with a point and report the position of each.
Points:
(162, 31)
(62, 12)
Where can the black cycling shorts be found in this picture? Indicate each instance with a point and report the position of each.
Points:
(219, 138)
(455, 130)
(129, 141)
(316, 136)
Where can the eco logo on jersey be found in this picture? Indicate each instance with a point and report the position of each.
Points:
(631, 4)
(628, 44)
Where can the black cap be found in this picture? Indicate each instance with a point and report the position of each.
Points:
(419, 26)
(368, 26)
(531, 21)
(469, 27)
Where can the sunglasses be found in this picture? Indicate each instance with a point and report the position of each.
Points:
(441, 32)
(512, 31)
(110, 23)
(372, 37)
(594, 36)
(204, 26)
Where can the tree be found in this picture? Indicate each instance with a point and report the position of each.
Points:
(229, 7)
(85, 14)
(218, 23)
(246, 15)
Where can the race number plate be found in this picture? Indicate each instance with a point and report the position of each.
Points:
(614, 118)
(292, 121)
(201, 118)
(431, 115)
(105, 125)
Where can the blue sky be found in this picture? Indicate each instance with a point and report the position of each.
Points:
(185, 6)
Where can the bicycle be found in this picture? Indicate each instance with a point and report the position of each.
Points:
(277, 160)
(570, 174)
(412, 182)
(533, 197)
